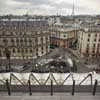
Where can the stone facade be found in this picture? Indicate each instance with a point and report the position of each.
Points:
(89, 42)
(25, 39)
(63, 36)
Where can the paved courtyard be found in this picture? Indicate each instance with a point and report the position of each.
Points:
(44, 63)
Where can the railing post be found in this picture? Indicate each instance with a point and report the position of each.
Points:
(51, 87)
(8, 87)
(94, 88)
(30, 91)
(73, 87)
(91, 79)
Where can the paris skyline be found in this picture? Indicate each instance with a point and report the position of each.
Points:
(49, 7)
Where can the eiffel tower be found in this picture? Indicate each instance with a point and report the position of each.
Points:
(73, 9)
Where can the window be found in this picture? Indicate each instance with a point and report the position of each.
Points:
(42, 52)
(94, 45)
(88, 39)
(30, 41)
(93, 51)
(30, 50)
(98, 45)
(13, 50)
(5, 41)
(21, 40)
(22, 50)
(87, 51)
(95, 39)
(17, 41)
(95, 35)
(12, 40)
(64, 35)
(42, 48)
(18, 50)
(36, 53)
(87, 46)
(89, 35)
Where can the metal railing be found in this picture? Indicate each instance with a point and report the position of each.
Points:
(33, 82)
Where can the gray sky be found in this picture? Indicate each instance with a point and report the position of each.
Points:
(48, 7)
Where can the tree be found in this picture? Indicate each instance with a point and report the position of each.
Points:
(7, 53)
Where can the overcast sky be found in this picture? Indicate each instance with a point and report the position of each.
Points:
(49, 7)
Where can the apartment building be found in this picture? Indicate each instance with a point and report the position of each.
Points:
(25, 38)
(89, 41)
(63, 35)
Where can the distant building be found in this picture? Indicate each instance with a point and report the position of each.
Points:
(63, 35)
(89, 41)
(25, 38)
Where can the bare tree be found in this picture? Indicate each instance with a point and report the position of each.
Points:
(8, 54)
